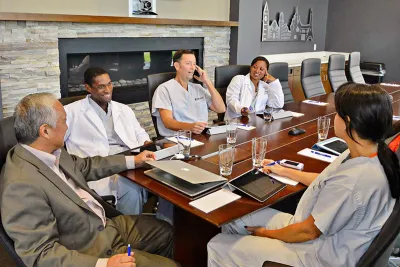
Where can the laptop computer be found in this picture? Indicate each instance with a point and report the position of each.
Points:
(184, 177)
(259, 185)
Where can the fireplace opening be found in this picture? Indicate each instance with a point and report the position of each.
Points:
(127, 60)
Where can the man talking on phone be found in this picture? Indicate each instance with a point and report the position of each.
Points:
(179, 104)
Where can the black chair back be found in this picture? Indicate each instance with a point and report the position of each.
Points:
(354, 68)
(153, 81)
(68, 100)
(380, 249)
(7, 141)
(223, 76)
(311, 77)
(280, 70)
(336, 71)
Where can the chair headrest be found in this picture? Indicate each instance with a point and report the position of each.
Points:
(311, 67)
(354, 59)
(279, 70)
(7, 138)
(224, 74)
(336, 62)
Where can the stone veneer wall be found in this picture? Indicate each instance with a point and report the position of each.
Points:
(29, 60)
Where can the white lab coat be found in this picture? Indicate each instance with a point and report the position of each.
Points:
(86, 135)
(240, 94)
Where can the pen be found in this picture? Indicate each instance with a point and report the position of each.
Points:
(129, 249)
(273, 163)
(318, 153)
(184, 138)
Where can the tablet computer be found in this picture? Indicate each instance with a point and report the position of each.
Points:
(257, 185)
(333, 145)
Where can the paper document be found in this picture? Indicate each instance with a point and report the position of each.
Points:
(246, 127)
(396, 118)
(297, 114)
(313, 102)
(390, 84)
(317, 155)
(283, 179)
(214, 200)
(184, 141)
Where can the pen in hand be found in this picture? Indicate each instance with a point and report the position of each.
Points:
(129, 249)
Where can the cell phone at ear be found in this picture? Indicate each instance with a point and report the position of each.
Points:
(292, 164)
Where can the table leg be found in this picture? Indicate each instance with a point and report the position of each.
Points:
(191, 235)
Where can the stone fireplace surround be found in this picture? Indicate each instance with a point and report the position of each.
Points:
(29, 55)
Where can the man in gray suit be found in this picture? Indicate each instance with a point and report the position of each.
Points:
(51, 214)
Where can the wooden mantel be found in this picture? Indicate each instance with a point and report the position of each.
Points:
(4, 16)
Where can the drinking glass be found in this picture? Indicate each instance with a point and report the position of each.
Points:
(231, 132)
(323, 127)
(268, 114)
(258, 148)
(226, 157)
(184, 139)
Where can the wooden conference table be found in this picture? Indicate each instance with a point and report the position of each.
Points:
(194, 228)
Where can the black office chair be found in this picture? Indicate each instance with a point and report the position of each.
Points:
(7, 141)
(378, 253)
(223, 76)
(311, 77)
(354, 68)
(280, 70)
(68, 100)
(336, 71)
(153, 81)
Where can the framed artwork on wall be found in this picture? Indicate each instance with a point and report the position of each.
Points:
(279, 30)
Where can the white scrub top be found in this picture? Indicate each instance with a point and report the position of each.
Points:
(186, 105)
(350, 202)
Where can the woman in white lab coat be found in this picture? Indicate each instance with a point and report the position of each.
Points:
(252, 92)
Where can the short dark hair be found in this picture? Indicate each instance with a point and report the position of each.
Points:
(367, 110)
(178, 54)
(260, 59)
(92, 73)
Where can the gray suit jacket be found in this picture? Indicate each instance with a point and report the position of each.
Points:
(49, 223)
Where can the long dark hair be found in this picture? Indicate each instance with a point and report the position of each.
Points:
(367, 110)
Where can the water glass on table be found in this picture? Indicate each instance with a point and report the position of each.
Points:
(184, 140)
(268, 114)
(323, 127)
(226, 157)
(231, 132)
(258, 149)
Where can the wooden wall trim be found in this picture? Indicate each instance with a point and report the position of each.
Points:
(6, 16)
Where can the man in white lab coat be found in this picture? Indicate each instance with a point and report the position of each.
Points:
(99, 126)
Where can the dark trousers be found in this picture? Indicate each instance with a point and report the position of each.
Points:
(151, 240)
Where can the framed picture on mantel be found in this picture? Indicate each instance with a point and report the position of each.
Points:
(142, 8)
(281, 31)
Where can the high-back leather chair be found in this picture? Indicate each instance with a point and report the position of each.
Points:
(68, 100)
(223, 76)
(7, 141)
(354, 68)
(311, 77)
(153, 81)
(336, 71)
(280, 70)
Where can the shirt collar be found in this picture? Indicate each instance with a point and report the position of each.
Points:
(98, 108)
(50, 160)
